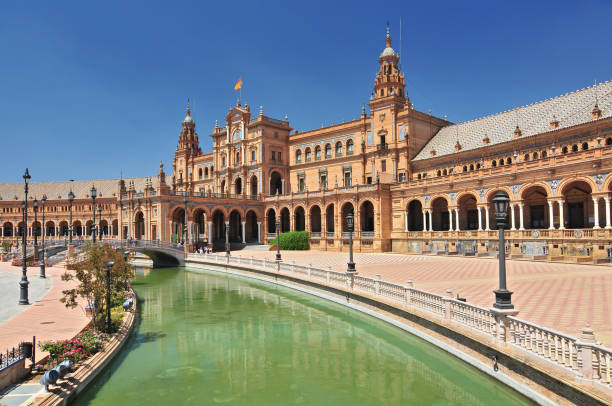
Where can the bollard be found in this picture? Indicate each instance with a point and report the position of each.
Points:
(49, 378)
(66, 367)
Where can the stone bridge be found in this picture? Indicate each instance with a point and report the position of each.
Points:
(160, 252)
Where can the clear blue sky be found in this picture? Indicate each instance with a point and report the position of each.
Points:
(88, 91)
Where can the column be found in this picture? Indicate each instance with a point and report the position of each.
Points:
(259, 232)
(189, 231)
(521, 220)
(210, 232)
(424, 220)
(596, 212)
(406, 219)
(487, 228)
(457, 228)
(551, 217)
(480, 218)
(561, 215)
(512, 219)
(243, 232)
(607, 200)
(282, 186)
(430, 222)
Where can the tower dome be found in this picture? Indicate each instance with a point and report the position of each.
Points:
(388, 52)
(188, 118)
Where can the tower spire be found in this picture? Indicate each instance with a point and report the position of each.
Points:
(388, 41)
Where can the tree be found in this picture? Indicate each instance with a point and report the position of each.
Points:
(91, 275)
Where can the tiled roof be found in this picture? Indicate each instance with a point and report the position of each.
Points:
(569, 110)
(81, 188)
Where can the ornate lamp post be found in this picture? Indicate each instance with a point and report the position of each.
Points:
(185, 225)
(109, 265)
(42, 260)
(277, 225)
(94, 194)
(350, 225)
(35, 228)
(227, 244)
(502, 295)
(70, 199)
(100, 221)
(23, 283)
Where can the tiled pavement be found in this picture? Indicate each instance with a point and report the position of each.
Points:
(46, 317)
(563, 297)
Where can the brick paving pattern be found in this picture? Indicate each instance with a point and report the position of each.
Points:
(562, 297)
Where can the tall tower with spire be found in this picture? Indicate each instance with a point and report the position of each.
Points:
(389, 83)
(188, 147)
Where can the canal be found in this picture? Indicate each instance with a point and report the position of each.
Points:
(209, 339)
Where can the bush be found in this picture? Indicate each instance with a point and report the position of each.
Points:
(294, 240)
(86, 343)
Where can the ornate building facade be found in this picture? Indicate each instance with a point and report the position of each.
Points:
(415, 183)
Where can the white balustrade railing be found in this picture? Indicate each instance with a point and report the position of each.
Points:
(584, 358)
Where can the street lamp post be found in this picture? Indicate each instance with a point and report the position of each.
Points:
(227, 244)
(35, 228)
(23, 283)
(42, 261)
(70, 199)
(350, 225)
(94, 193)
(100, 222)
(278, 254)
(109, 265)
(502, 295)
(185, 225)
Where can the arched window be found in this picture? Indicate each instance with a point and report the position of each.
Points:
(494, 164)
(419, 176)
(328, 150)
(349, 147)
(564, 150)
(574, 148)
(464, 168)
(439, 173)
(526, 157)
(318, 153)
(535, 155)
(338, 149)
(199, 173)
(544, 154)
(206, 172)
(508, 161)
(585, 146)
(471, 167)
(307, 154)
(298, 156)
(238, 157)
(212, 168)
(444, 172)
(501, 162)
(223, 161)
(478, 166)
(609, 141)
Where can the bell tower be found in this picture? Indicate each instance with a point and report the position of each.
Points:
(187, 148)
(389, 83)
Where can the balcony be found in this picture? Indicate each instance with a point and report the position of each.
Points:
(382, 147)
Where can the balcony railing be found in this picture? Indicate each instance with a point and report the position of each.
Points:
(382, 147)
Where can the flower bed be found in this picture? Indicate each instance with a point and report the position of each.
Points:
(85, 344)
(18, 262)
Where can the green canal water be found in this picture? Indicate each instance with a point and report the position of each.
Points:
(213, 339)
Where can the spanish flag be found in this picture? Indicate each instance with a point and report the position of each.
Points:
(238, 84)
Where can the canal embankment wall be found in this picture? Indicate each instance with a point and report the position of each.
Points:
(454, 327)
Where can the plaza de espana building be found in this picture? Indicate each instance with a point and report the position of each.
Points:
(415, 183)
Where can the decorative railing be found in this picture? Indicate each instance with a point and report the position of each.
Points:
(9, 357)
(583, 357)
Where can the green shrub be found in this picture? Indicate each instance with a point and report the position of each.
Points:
(294, 240)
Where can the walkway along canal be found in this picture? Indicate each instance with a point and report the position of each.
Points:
(206, 338)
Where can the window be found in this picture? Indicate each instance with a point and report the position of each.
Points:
(444, 172)
(237, 158)
(223, 161)
(301, 183)
(323, 182)
(535, 155)
(501, 162)
(349, 147)
(369, 179)
(465, 168)
(370, 139)
(471, 167)
(526, 157)
(574, 148)
(418, 176)
(200, 174)
(401, 177)
(338, 149)
(280, 157)
(564, 150)
(609, 141)
(400, 132)
(493, 164)
(274, 155)
(585, 146)
(206, 172)
(328, 150)
(252, 155)
(383, 165)
(307, 154)
(508, 161)
(439, 173)
(298, 156)
(318, 153)
(347, 178)
(543, 154)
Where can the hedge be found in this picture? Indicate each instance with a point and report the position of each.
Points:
(294, 240)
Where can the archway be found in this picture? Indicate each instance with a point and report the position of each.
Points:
(88, 228)
(251, 228)
(50, 229)
(178, 225)
(238, 186)
(492, 220)
(366, 212)
(440, 216)
(285, 221)
(63, 229)
(7, 229)
(346, 209)
(199, 225)
(223, 186)
(139, 226)
(415, 216)
(218, 227)
(104, 227)
(300, 219)
(315, 219)
(115, 226)
(271, 221)
(20, 230)
(235, 224)
(578, 205)
(468, 212)
(535, 208)
(276, 184)
(254, 186)
(36, 229)
(329, 220)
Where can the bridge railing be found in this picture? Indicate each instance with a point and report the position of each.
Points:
(130, 244)
(583, 357)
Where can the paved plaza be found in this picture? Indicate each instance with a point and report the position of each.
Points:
(563, 297)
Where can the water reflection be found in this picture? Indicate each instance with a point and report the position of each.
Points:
(211, 339)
